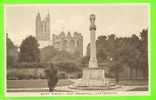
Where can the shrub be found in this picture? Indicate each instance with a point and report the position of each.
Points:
(62, 75)
(75, 75)
(25, 73)
(12, 76)
(68, 67)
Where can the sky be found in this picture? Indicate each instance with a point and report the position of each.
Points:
(123, 20)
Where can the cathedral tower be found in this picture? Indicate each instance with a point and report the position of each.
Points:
(42, 28)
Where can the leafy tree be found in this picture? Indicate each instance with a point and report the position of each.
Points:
(101, 43)
(85, 61)
(12, 53)
(116, 68)
(29, 50)
(68, 67)
(48, 53)
(144, 52)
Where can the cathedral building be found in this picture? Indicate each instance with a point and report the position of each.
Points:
(69, 43)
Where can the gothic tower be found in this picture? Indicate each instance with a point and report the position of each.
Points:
(38, 26)
(42, 28)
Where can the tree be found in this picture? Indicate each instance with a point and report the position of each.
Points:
(101, 48)
(48, 53)
(85, 61)
(29, 50)
(144, 52)
(116, 68)
(12, 53)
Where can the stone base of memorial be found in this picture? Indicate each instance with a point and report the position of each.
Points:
(94, 79)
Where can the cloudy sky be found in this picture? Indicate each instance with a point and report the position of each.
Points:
(119, 19)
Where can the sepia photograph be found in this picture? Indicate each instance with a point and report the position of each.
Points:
(77, 49)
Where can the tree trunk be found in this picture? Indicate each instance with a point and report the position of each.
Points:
(131, 73)
(136, 72)
(117, 76)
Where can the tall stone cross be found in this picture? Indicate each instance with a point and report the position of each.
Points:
(93, 76)
(93, 60)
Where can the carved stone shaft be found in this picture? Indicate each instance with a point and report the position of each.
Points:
(93, 60)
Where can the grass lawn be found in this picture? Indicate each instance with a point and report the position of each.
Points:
(139, 89)
(134, 82)
(41, 85)
(34, 83)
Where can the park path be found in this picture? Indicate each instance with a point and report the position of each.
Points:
(67, 89)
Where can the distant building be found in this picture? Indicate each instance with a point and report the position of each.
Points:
(71, 44)
(42, 28)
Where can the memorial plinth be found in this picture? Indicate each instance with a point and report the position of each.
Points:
(93, 77)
